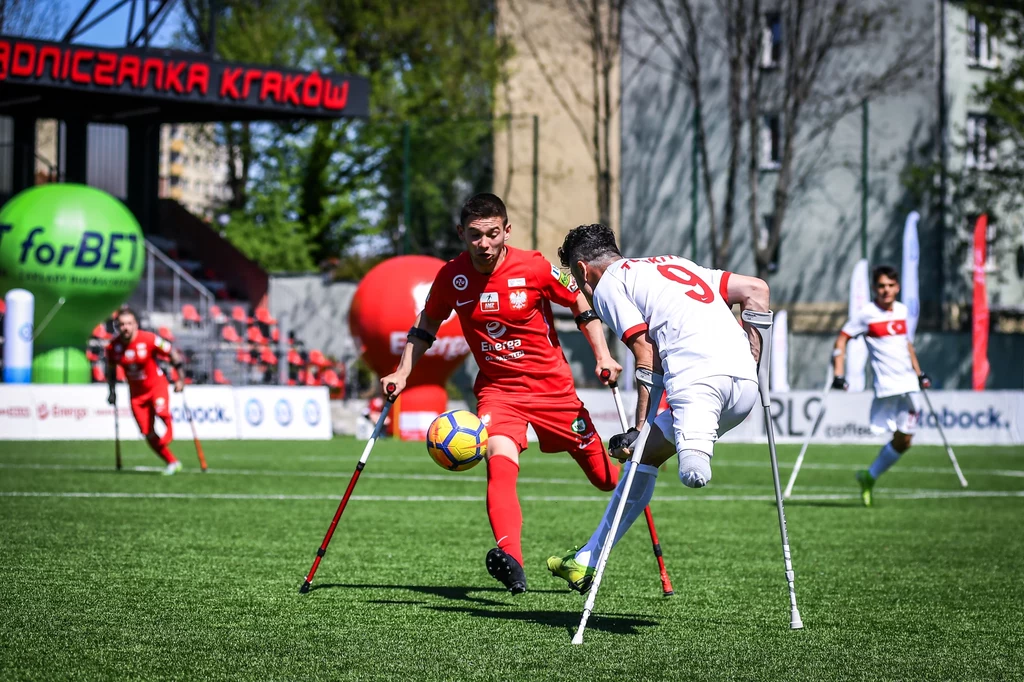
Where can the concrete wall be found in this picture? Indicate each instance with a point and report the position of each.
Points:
(316, 310)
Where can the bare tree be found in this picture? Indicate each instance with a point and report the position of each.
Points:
(831, 55)
(598, 28)
(31, 18)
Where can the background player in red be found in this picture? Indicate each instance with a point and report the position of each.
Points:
(503, 298)
(137, 352)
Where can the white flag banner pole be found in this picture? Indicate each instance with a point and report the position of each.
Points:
(909, 286)
(780, 353)
(857, 349)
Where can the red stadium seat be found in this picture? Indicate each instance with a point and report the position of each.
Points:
(217, 315)
(165, 333)
(267, 356)
(238, 315)
(90, 356)
(330, 378)
(98, 375)
(230, 335)
(119, 374)
(254, 335)
(219, 378)
(263, 315)
(243, 356)
(172, 375)
(190, 314)
(100, 332)
(3, 307)
(275, 334)
(295, 359)
(317, 358)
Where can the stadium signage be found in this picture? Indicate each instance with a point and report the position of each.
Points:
(180, 76)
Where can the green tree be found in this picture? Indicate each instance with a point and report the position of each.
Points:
(431, 66)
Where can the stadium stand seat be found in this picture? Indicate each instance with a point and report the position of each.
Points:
(330, 378)
(219, 378)
(217, 315)
(100, 332)
(91, 356)
(120, 374)
(190, 315)
(317, 358)
(263, 316)
(254, 335)
(295, 359)
(165, 333)
(238, 315)
(243, 356)
(275, 334)
(98, 375)
(229, 334)
(267, 356)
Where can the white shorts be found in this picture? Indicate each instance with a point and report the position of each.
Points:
(895, 413)
(704, 410)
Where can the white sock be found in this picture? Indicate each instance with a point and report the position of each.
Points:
(887, 456)
(694, 468)
(640, 493)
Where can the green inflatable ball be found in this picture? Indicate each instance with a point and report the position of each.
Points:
(72, 242)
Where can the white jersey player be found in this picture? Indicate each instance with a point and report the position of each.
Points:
(883, 323)
(676, 318)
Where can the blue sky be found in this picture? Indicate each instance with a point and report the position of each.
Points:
(111, 31)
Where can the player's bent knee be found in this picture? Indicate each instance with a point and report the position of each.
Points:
(694, 468)
(901, 442)
(502, 446)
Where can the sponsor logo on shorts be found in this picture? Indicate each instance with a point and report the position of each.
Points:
(485, 419)
(579, 425)
(311, 411)
(254, 412)
(517, 282)
(159, 403)
(283, 412)
(496, 329)
(460, 282)
(489, 301)
(517, 299)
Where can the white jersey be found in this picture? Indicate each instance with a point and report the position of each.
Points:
(683, 307)
(886, 334)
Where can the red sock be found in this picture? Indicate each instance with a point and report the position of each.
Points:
(161, 449)
(503, 506)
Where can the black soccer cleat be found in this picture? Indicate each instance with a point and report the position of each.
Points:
(506, 570)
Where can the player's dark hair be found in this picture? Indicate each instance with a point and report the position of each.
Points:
(588, 243)
(483, 206)
(884, 271)
(125, 310)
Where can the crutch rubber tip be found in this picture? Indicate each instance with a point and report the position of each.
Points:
(668, 593)
(305, 588)
(795, 623)
(577, 639)
(204, 470)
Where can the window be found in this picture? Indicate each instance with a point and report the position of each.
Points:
(771, 40)
(980, 153)
(771, 146)
(981, 47)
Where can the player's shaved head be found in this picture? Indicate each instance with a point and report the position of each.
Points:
(483, 206)
(588, 243)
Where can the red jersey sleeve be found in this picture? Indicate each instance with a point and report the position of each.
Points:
(159, 347)
(439, 301)
(555, 285)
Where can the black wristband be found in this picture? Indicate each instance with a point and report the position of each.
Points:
(584, 317)
(422, 335)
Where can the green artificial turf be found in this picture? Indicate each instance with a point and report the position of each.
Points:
(135, 575)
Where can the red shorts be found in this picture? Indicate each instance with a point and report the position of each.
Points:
(562, 425)
(153, 403)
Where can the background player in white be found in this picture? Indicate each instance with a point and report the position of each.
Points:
(898, 375)
(676, 318)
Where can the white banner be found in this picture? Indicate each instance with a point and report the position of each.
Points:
(283, 413)
(967, 417)
(81, 412)
(909, 290)
(857, 348)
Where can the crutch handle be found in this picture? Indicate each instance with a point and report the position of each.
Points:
(391, 388)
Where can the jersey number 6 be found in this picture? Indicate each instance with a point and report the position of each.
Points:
(700, 292)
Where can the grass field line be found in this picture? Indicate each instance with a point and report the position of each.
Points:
(919, 495)
(462, 477)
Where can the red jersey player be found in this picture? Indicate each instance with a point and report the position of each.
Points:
(503, 298)
(138, 351)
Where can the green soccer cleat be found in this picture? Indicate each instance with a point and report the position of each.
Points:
(867, 482)
(568, 569)
(172, 469)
